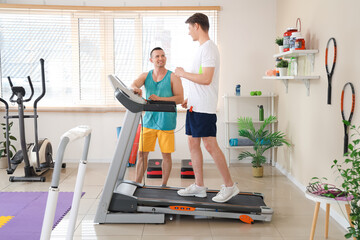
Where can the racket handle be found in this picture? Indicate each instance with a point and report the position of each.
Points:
(329, 95)
(346, 143)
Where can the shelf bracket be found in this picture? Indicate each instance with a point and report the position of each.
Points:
(311, 59)
(286, 83)
(307, 85)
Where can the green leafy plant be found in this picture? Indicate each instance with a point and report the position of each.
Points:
(12, 148)
(263, 139)
(349, 171)
(279, 41)
(282, 64)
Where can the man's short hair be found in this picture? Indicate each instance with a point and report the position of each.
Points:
(200, 19)
(157, 48)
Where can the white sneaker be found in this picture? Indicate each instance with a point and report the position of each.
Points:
(193, 190)
(226, 193)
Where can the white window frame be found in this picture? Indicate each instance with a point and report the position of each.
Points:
(106, 21)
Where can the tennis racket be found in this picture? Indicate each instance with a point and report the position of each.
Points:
(346, 127)
(330, 74)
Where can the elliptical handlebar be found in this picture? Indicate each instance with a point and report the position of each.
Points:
(10, 82)
(11, 86)
(5, 103)
(32, 90)
(42, 61)
(16, 90)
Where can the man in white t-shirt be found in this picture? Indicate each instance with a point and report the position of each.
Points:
(201, 111)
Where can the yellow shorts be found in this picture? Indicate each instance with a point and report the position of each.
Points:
(148, 140)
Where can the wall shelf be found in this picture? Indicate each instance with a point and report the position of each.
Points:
(241, 147)
(238, 147)
(249, 96)
(305, 79)
(296, 53)
(310, 55)
(235, 122)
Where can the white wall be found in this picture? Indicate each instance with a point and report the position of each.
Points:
(246, 42)
(315, 128)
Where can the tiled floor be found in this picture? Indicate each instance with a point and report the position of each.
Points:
(291, 220)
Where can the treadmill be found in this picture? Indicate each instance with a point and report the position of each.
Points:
(124, 201)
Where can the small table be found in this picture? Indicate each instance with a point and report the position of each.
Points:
(320, 199)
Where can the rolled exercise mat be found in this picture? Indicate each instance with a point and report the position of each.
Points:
(240, 142)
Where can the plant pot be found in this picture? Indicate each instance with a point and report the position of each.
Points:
(282, 72)
(281, 49)
(258, 172)
(3, 162)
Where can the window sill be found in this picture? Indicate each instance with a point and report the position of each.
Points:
(79, 109)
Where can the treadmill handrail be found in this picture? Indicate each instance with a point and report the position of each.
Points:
(134, 103)
(125, 100)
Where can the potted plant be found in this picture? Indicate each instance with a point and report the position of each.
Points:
(280, 41)
(282, 66)
(263, 140)
(12, 149)
(350, 173)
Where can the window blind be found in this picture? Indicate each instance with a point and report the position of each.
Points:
(81, 48)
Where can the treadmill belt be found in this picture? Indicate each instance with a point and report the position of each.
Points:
(243, 202)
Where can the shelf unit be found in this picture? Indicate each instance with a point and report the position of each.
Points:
(297, 53)
(232, 114)
(310, 55)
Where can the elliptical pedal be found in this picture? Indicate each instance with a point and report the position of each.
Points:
(18, 158)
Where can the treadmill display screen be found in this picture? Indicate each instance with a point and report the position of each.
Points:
(118, 84)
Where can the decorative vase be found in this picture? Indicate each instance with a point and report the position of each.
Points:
(3, 162)
(282, 72)
(258, 172)
(281, 49)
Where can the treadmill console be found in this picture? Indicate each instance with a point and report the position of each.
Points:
(119, 85)
(134, 102)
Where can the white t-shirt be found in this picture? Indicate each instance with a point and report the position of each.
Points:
(204, 98)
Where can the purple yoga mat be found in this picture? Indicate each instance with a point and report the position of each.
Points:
(28, 209)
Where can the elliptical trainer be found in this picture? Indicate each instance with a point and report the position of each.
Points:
(37, 156)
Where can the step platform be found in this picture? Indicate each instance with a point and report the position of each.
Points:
(187, 169)
(154, 169)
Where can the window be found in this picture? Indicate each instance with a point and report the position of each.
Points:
(91, 61)
(81, 48)
(25, 38)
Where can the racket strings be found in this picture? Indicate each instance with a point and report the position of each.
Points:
(330, 74)
(352, 101)
(327, 55)
(346, 125)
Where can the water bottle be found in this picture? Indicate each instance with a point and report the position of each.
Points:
(237, 90)
(261, 112)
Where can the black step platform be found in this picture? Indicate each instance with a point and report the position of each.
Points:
(154, 169)
(187, 169)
